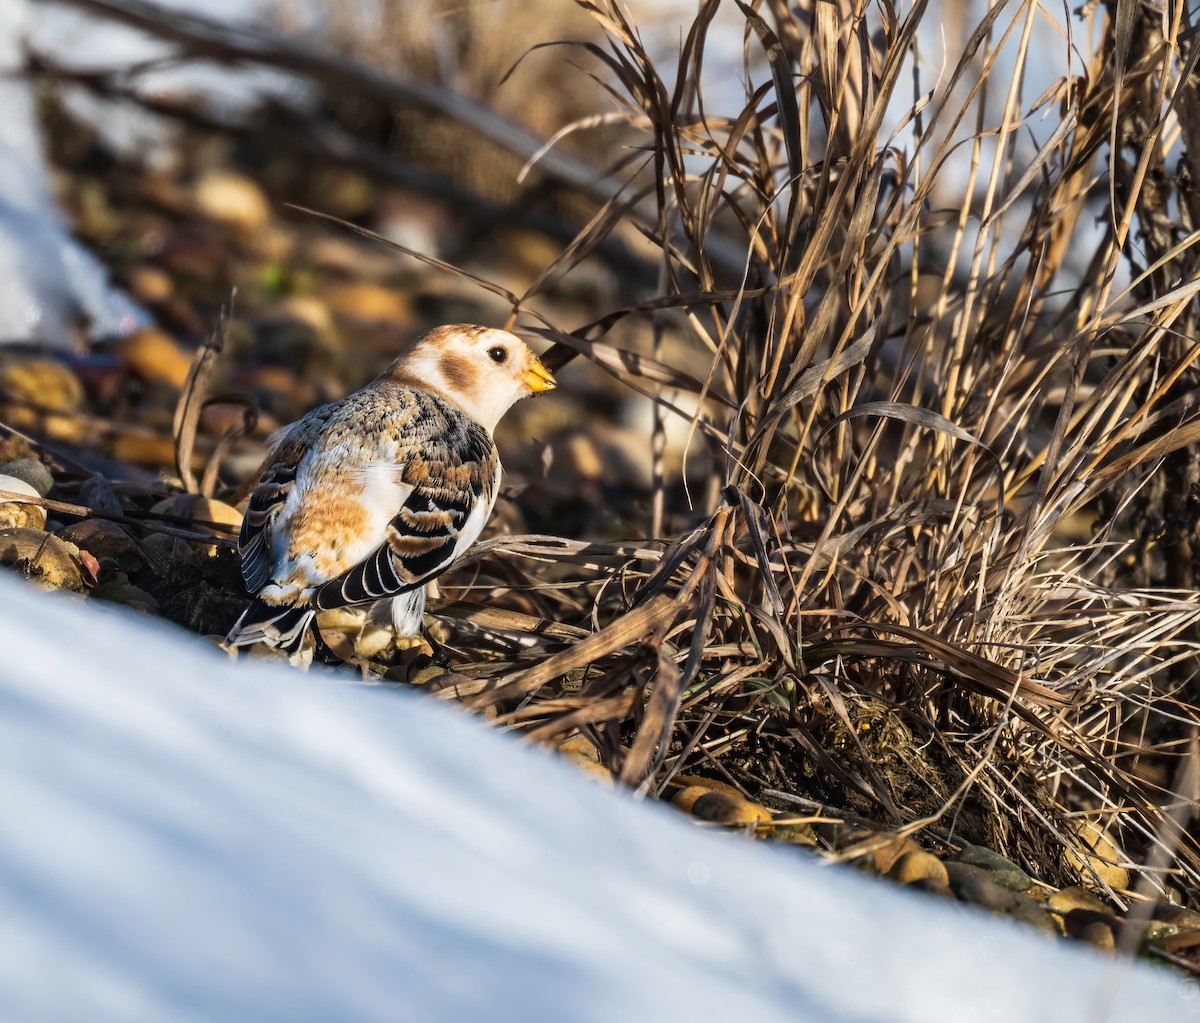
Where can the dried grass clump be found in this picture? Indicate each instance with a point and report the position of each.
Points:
(939, 327)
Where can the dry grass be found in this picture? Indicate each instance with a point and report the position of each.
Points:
(924, 363)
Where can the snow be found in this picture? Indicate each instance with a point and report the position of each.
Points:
(190, 839)
(47, 280)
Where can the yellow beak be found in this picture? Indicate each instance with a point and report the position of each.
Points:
(538, 379)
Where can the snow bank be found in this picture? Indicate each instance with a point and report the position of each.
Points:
(188, 839)
(48, 282)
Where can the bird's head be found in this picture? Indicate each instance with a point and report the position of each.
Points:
(482, 370)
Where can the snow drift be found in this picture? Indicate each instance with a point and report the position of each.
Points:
(186, 838)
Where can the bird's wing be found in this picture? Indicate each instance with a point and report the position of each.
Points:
(367, 498)
(276, 482)
(452, 482)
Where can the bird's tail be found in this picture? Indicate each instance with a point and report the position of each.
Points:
(283, 628)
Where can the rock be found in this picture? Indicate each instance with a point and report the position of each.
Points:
(1156, 931)
(32, 472)
(932, 888)
(580, 747)
(1075, 898)
(978, 885)
(793, 833)
(368, 303)
(720, 807)
(1098, 857)
(582, 752)
(1182, 941)
(1078, 921)
(916, 866)
(152, 356)
(97, 493)
(89, 568)
(684, 780)
(299, 333)
(144, 449)
(1183, 918)
(44, 385)
(42, 395)
(974, 884)
(44, 558)
(1004, 872)
(597, 772)
(148, 283)
(121, 591)
(352, 632)
(103, 540)
(1098, 935)
(232, 199)
(17, 513)
(198, 514)
(1030, 913)
(883, 849)
(219, 417)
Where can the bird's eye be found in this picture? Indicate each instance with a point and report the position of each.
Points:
(498, 354)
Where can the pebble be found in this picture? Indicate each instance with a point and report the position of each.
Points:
(1184, 941)
(685, 780)
(593, 769)
(149, 283)
(367, 302)
(1098, 935)
(1078, 923)
(932, 887)
(143, 449)
(1183, 918)
(42, 385)
(154, 357)
(978, 888)
(883, 849)
(719, 807)
(1156, 931)
(1099, 857)
(977, 885)
(97, 494)
(32, 472)
(1029, 912)
(16, 513)
(794, 834)
(44, 558)
(121, 591)
(232, 199)
(916, 865)
(1069, 899)
(580, 747)
(196, 511)
(103, 540)
(1003, 871)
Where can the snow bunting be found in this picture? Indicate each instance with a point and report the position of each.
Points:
(373, 496)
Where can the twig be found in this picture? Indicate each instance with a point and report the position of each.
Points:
(83, 512)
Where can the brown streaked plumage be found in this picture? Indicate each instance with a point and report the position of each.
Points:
(373, 496)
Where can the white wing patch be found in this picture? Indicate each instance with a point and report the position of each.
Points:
(384, 490)
(380, 493)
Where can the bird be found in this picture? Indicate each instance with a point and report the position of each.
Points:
(372, 497)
